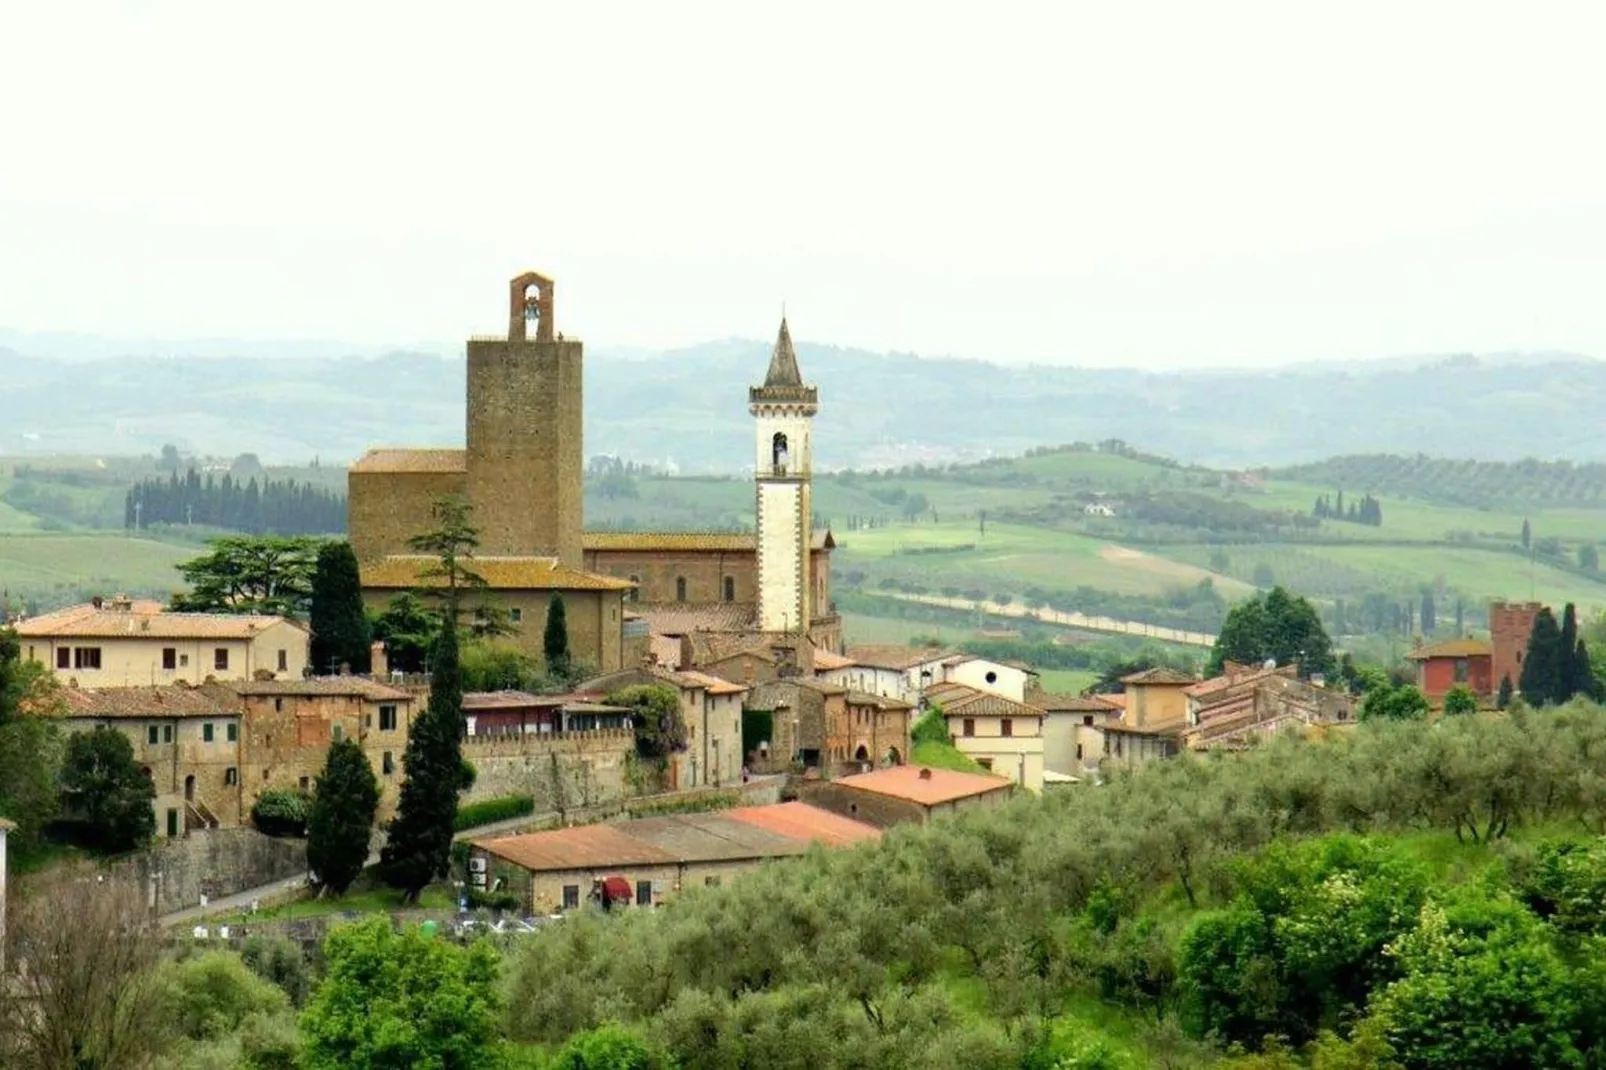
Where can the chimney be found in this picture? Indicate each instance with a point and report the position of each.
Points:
(97, 601)
(376, 655)
(925, 774)
(122, 603)
(345, 668)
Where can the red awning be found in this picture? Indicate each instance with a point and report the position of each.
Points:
(617, 888)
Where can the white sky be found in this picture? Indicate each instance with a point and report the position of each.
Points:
(1125, 183)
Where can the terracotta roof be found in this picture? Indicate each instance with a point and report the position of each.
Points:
(897, 658)
(359, 686)
(1164, 728)
(391, 459)
(963, 700)
(800, 821)
(508, 700)
(880, 702)
(146, 620)
(714, 685)
(1159, 675)
(731, 542)
(680, 618)
(1453, 648)
(1075, 703)
(825, 660)
(928, 787)
(718, 646)
(170, 700)
(499, 573)
(582, 847)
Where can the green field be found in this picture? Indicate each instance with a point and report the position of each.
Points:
(56, 569)
(1067, 681)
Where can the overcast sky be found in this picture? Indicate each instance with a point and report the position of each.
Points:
(1143, 184)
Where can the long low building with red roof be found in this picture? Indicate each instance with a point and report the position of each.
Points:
(905, 794)
(653, 857)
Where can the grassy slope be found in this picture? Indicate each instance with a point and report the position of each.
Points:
(42, 563)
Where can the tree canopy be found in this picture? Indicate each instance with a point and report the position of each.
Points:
(341, 634)
(555, 639)
(250, 574)
(104, 789)
(341, 820)
(1276, 626)
(408, 629)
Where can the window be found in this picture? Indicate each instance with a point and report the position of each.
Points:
(304, 783)
(680, 588)
(183, 661)
(644, 893)
(86, 657)
(151, 735)
(778, 456)
(730, 588)
(991, 677)
(167, 733)
(172, 824)
(1078, 752)
(970, 726)
(336, 732)
(516, 615)
(63, 658)
(169, 658)
(278, 705)
(1460, 670)
(387, 764)
(571, 896)
(220, 659)
(206, 732)
(284, 661)
(711, 882)
(1006, 726)
(1087, 719)
(232, 732)
(387, 718)
(231, 776)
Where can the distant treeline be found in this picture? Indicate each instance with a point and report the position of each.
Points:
(281, 506)
(1366, 511)
(1462, 482)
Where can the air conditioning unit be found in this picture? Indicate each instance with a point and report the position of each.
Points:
(476, 865)
(477, 879)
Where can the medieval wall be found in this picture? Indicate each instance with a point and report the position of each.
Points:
(561, 772)
(214, 863)
(385, 509)
(657, 571)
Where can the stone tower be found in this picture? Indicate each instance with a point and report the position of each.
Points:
(525, 451)
(783, 409)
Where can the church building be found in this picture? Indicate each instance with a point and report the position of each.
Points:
(522, 475)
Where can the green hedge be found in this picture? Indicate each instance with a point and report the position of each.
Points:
(487, 811)
(494, 900)
(281, 812)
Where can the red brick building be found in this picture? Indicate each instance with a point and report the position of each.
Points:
(1454, 663)
(1510, 625)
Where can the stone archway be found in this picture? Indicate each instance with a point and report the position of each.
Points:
(862, 754)
(893, 757)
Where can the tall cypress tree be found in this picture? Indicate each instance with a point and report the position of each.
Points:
(1584, 673)
(1567, 680)
(555, 641)
(1540, 682)
(341, 634)
(341, 821)
(1503, 700)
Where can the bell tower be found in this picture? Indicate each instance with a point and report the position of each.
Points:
(783, 410)
(525, 454)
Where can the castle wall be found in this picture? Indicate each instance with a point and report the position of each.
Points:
(704, 571)
(562, 772)
(595, 621)
(525, 447)
(385, 509)
(1510, 625)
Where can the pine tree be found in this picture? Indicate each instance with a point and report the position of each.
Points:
(1503, 700)
(555, 641)
(341, 634)
(1540, 682)
(341, 821)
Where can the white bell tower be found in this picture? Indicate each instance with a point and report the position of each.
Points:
(783, 409)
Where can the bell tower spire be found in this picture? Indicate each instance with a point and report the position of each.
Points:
(783, 410)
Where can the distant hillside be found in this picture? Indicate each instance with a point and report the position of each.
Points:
(689, 407)
(1481, 484)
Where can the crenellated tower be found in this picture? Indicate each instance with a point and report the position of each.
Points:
(783, 410)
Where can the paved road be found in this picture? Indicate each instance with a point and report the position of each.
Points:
(1054, 616)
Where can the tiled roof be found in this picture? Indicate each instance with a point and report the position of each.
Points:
(680, 618)
(1453, 648)
(1173, 727)
(714, 685)
(825, 661)
(962, 700)
(1074, 703)
(800, 821)
(732, 542)
(508, 700)
(1159, 675)
(718, 646)
(896, 658)
(360, 686)
(145, 620)
(582, 847)
(928, 787)
(389, 459)
(880, 702)
(169, 700)
(499, 573)
(664, 648)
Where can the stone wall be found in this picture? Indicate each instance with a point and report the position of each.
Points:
(214, 863)
(385, 509)
(562, 772)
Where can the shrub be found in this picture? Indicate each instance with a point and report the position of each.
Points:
(494, 900)
(282, 812)
(931, 728)
(489, 811)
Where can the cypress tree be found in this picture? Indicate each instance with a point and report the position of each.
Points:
(1503, 700)
(420, 836)
(1540, 682)
(1568, 682)
(341, 634)
(342, 817)
(1430, 618)
(1584, 673)
(555, 641)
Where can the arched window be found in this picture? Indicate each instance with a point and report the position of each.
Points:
(730, 588)
(778, 452)
(680, 588)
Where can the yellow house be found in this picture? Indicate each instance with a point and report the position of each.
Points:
(1001, 735)
(124, 643)
(1156, 698)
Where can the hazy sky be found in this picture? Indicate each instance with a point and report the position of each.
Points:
(1122, 183)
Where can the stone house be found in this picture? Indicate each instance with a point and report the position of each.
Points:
(906, 794)
(648, 861)
(1455, 663)
(1230, 710)
(187, 739)
(122, 642)
(831, 728)
(877, 729)
(711, 714)
(898, 672)
(747, 657)
(1013, 680)
(1156, 697)
(1073, 731)
(1000, 734)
